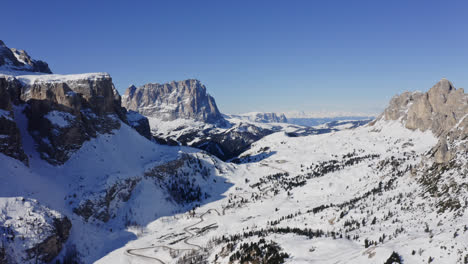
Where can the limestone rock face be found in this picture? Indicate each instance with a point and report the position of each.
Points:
(62, 112)
(399, 105)
(93, 91)
(18, 60)
(176, 100)
(65, 111)
(442, 154)
(438, 110)
(182, 113)
(10, 137)
(442, 110)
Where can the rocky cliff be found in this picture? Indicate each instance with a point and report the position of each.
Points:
(10, 137)
(140, 123)
(19, 60)
(183, 113)
(442, 110)
(175, 100)
(63, 111)
(31, 232)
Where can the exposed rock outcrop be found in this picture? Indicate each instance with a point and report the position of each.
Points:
(442, 110)
(103, 206)
(50, 247)
(10, 137)
(182, 113)
(176, 100)
(19, 60)
(31, 232)
(64, 111)
(140, 123)
(438, 110)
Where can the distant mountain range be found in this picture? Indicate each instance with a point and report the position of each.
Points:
(160, 175)
(261, 117)
(183, 113)
(326, 114)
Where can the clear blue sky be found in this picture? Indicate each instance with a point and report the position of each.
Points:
(253, 55)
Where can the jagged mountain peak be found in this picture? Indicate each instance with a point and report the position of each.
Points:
(16, 60)
(443, 110)
(132, 88)
(438, 109)
(185, 99)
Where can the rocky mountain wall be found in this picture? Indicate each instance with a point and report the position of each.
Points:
(442, 110)
(186, 99)
(19, 60)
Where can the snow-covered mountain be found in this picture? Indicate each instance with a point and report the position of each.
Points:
(175, 100)
(312, 119)
(83, 180)
(326, 114)
(14, 60)
(183, 113)
(80, 175)
(261, 117)
(63, 111)
(378, 193)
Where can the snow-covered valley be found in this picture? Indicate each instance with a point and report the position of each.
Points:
(320, 198)
(161, 176)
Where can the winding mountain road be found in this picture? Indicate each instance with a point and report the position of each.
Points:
(134, 251)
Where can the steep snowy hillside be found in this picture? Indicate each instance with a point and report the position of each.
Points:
(77, 179)
(83, 179)
(112, 185)
(372, 194)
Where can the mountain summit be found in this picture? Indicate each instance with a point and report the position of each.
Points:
(438, 110)
(186, 99)
(18, 60)
(442, 110)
